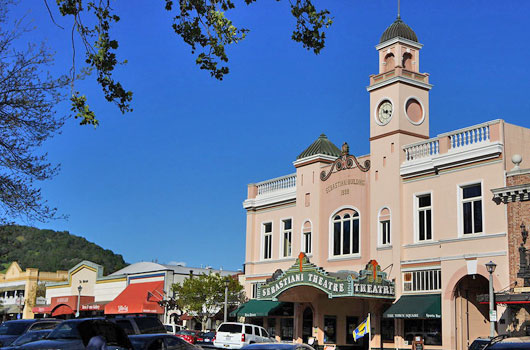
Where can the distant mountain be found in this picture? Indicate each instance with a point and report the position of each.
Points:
(50, 250)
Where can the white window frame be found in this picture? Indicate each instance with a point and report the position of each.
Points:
(460, 209)
(263, 234)
(416, 207)
(282, 240)
(421, 270)
(331, 256)
(302, 237)
(380, 228)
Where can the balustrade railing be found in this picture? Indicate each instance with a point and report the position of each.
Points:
(423, 149)
(469, 136)
(453, 141)
(277, 184)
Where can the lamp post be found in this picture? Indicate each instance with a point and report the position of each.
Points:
(79, 289)
(491, 268)
(226, 299)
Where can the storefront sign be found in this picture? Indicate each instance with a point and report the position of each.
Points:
(370, 282)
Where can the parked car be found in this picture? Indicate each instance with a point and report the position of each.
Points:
(188, 335)
(277, 346)
(512, 343)
(481, 343)
(173, 328)
(235, 335)
(11, 330)
(27, 337)
(160, 342)
(139, 324)
(76, 334)
(205, 338)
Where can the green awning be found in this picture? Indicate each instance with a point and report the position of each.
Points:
(416, 306)
(256, 308)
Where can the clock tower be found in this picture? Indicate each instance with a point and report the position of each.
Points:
(399, 94)
(399, 115)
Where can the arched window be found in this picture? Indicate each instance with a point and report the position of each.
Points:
(346, 233)
(306, 237)
(390, 62)
(384, 227)
(407, 61)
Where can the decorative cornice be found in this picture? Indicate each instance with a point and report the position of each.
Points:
(399, 131)
(322, 158)
(395, 40)
(516, 193)
(401, 79)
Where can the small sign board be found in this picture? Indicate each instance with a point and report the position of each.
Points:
(493, 315)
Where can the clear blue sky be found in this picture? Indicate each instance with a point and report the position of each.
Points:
(167, 181)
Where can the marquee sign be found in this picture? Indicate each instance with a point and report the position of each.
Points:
(370, 282)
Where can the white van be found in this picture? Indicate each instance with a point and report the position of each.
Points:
(173, 328)
(235, 335)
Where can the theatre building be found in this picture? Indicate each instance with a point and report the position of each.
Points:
(402, 234)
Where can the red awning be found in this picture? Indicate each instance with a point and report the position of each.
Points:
(42, 309)
(62, 309)
(138, 298)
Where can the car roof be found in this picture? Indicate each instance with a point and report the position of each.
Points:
(146, 336)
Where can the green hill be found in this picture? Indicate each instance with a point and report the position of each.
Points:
(50, 250)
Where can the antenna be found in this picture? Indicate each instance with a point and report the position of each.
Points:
(398, 9)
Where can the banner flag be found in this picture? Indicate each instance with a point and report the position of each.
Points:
(362, 329)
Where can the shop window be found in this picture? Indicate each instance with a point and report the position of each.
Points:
(471, 208)
(287, 237)
(267, 240)
(387, 329)
(254, 290)
(422, 280)
(306, 238)
(271, 326)
(287, 325)
(429, 330)
(346, 233)
(351, 324)
(330, 329)
(384, 227)
(424, 217)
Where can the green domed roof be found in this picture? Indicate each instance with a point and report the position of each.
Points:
(398, 29)
(321, 146)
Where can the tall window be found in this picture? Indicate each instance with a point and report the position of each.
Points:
(306, 238)
(424, 217)
(384, 227)
(267, 240)
(346, 233)
(287, 237)
(472, 208)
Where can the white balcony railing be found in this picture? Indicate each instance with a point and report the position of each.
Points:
(456, 140)
(422, 149)
(279, 184)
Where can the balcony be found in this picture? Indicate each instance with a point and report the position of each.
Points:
(279, 190)
(398, 73)
(480, 141)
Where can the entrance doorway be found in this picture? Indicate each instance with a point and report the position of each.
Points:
(307, 324)
(471, 318)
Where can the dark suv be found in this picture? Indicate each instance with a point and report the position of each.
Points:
(139, 324)
(11, 330)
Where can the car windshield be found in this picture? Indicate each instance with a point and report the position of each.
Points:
(13, 328)
(66, 330)
(186, 332)
(169, 328)
(29, 337)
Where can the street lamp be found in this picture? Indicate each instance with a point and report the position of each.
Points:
(226, 298)
(79, 289)
(491, 268)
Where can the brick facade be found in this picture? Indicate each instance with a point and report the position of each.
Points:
(518, 212)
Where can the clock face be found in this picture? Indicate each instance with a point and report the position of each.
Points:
(384, 112)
